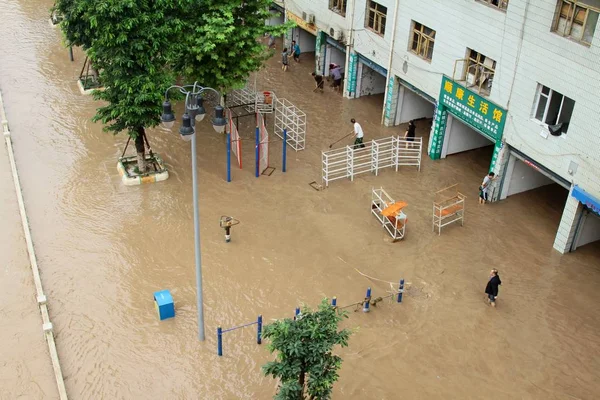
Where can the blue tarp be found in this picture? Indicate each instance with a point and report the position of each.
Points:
(586, 199)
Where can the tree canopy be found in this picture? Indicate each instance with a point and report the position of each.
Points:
(304, 352)
(139, 47)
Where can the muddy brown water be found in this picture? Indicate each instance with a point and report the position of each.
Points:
(104, 249)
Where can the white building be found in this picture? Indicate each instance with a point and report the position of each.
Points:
(519, 76)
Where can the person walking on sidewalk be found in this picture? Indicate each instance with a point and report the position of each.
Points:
(491, 289)
(358, 134)
(485, 187)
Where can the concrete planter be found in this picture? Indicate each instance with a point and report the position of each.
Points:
(84, 91)
(157, 171)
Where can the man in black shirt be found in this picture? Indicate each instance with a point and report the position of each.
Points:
(319, 82)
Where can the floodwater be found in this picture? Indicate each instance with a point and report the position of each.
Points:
(104, 249)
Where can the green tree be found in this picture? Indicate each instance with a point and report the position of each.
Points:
(221, 46)
(139, 47)
(305, 361)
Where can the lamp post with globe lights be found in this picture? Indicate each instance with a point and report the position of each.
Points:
(194, 112)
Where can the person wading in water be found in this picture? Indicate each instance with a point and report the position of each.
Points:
(491, 289)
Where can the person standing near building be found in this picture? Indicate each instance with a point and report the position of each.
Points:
(485, 187)
(491, 289)
(319, 82)
(284, 59)
(409, 135)
(271, 41)
(295, 51)
(358, 134)
(336, 74)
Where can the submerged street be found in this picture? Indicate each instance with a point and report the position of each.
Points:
(103, 249)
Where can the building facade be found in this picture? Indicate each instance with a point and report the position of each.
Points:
(521, 77)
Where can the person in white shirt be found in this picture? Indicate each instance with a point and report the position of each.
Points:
(485, 187)
(358, 134)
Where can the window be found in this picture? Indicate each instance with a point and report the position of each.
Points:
(553, 109)
(376, 14)
(501, 4)
(479, 72)
(576, 19)
(423, 40)
(338, 6)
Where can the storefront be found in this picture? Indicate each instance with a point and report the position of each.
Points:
(412, 103)
(370, 77)
(305, 33)
(329, 51)
(588, 223)
(465, 121)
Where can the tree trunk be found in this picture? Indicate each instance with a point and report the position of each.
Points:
(301, 383)
(140, 149)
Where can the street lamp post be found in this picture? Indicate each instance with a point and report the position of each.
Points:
(194, 111)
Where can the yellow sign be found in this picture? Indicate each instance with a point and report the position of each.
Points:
(302, 23)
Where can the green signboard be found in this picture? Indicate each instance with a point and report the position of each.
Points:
(352, 71)
(438, 131)
(389, 101)
(474, 110)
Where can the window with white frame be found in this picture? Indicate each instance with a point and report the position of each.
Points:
(501, 4)
(423, 39)
(338, 6)
(479, 72)
(376, 16)
(577, 19)
(553, 109)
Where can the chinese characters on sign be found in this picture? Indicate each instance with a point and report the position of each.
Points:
(390, 98)
(439, 128)
(473, 109)
(352, 64)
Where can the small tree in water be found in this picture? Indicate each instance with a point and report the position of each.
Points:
(140, 46)
(305, 364)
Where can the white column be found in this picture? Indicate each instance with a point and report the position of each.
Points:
(568, 224)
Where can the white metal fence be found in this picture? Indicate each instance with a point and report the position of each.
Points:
(390, 152)
(291, 118)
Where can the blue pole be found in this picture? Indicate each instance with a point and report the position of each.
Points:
(334, 301)
(259, 330)
(400, 290)
(219, 341)
(257, 150)
(367, 300)
(228, 157)
(284, 149)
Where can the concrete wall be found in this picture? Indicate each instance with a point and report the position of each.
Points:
(460, 137)
(275, 19)
(573, 70)
(369, 81)
(520, 178)
(458, 25)
(324, 17)
(411, 106)
(589, 230)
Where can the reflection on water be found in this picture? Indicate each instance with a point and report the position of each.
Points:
(104, 249)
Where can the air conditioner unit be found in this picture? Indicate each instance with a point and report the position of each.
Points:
(311, 19)
(332, 32)
(339, 36)
(304, 16)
